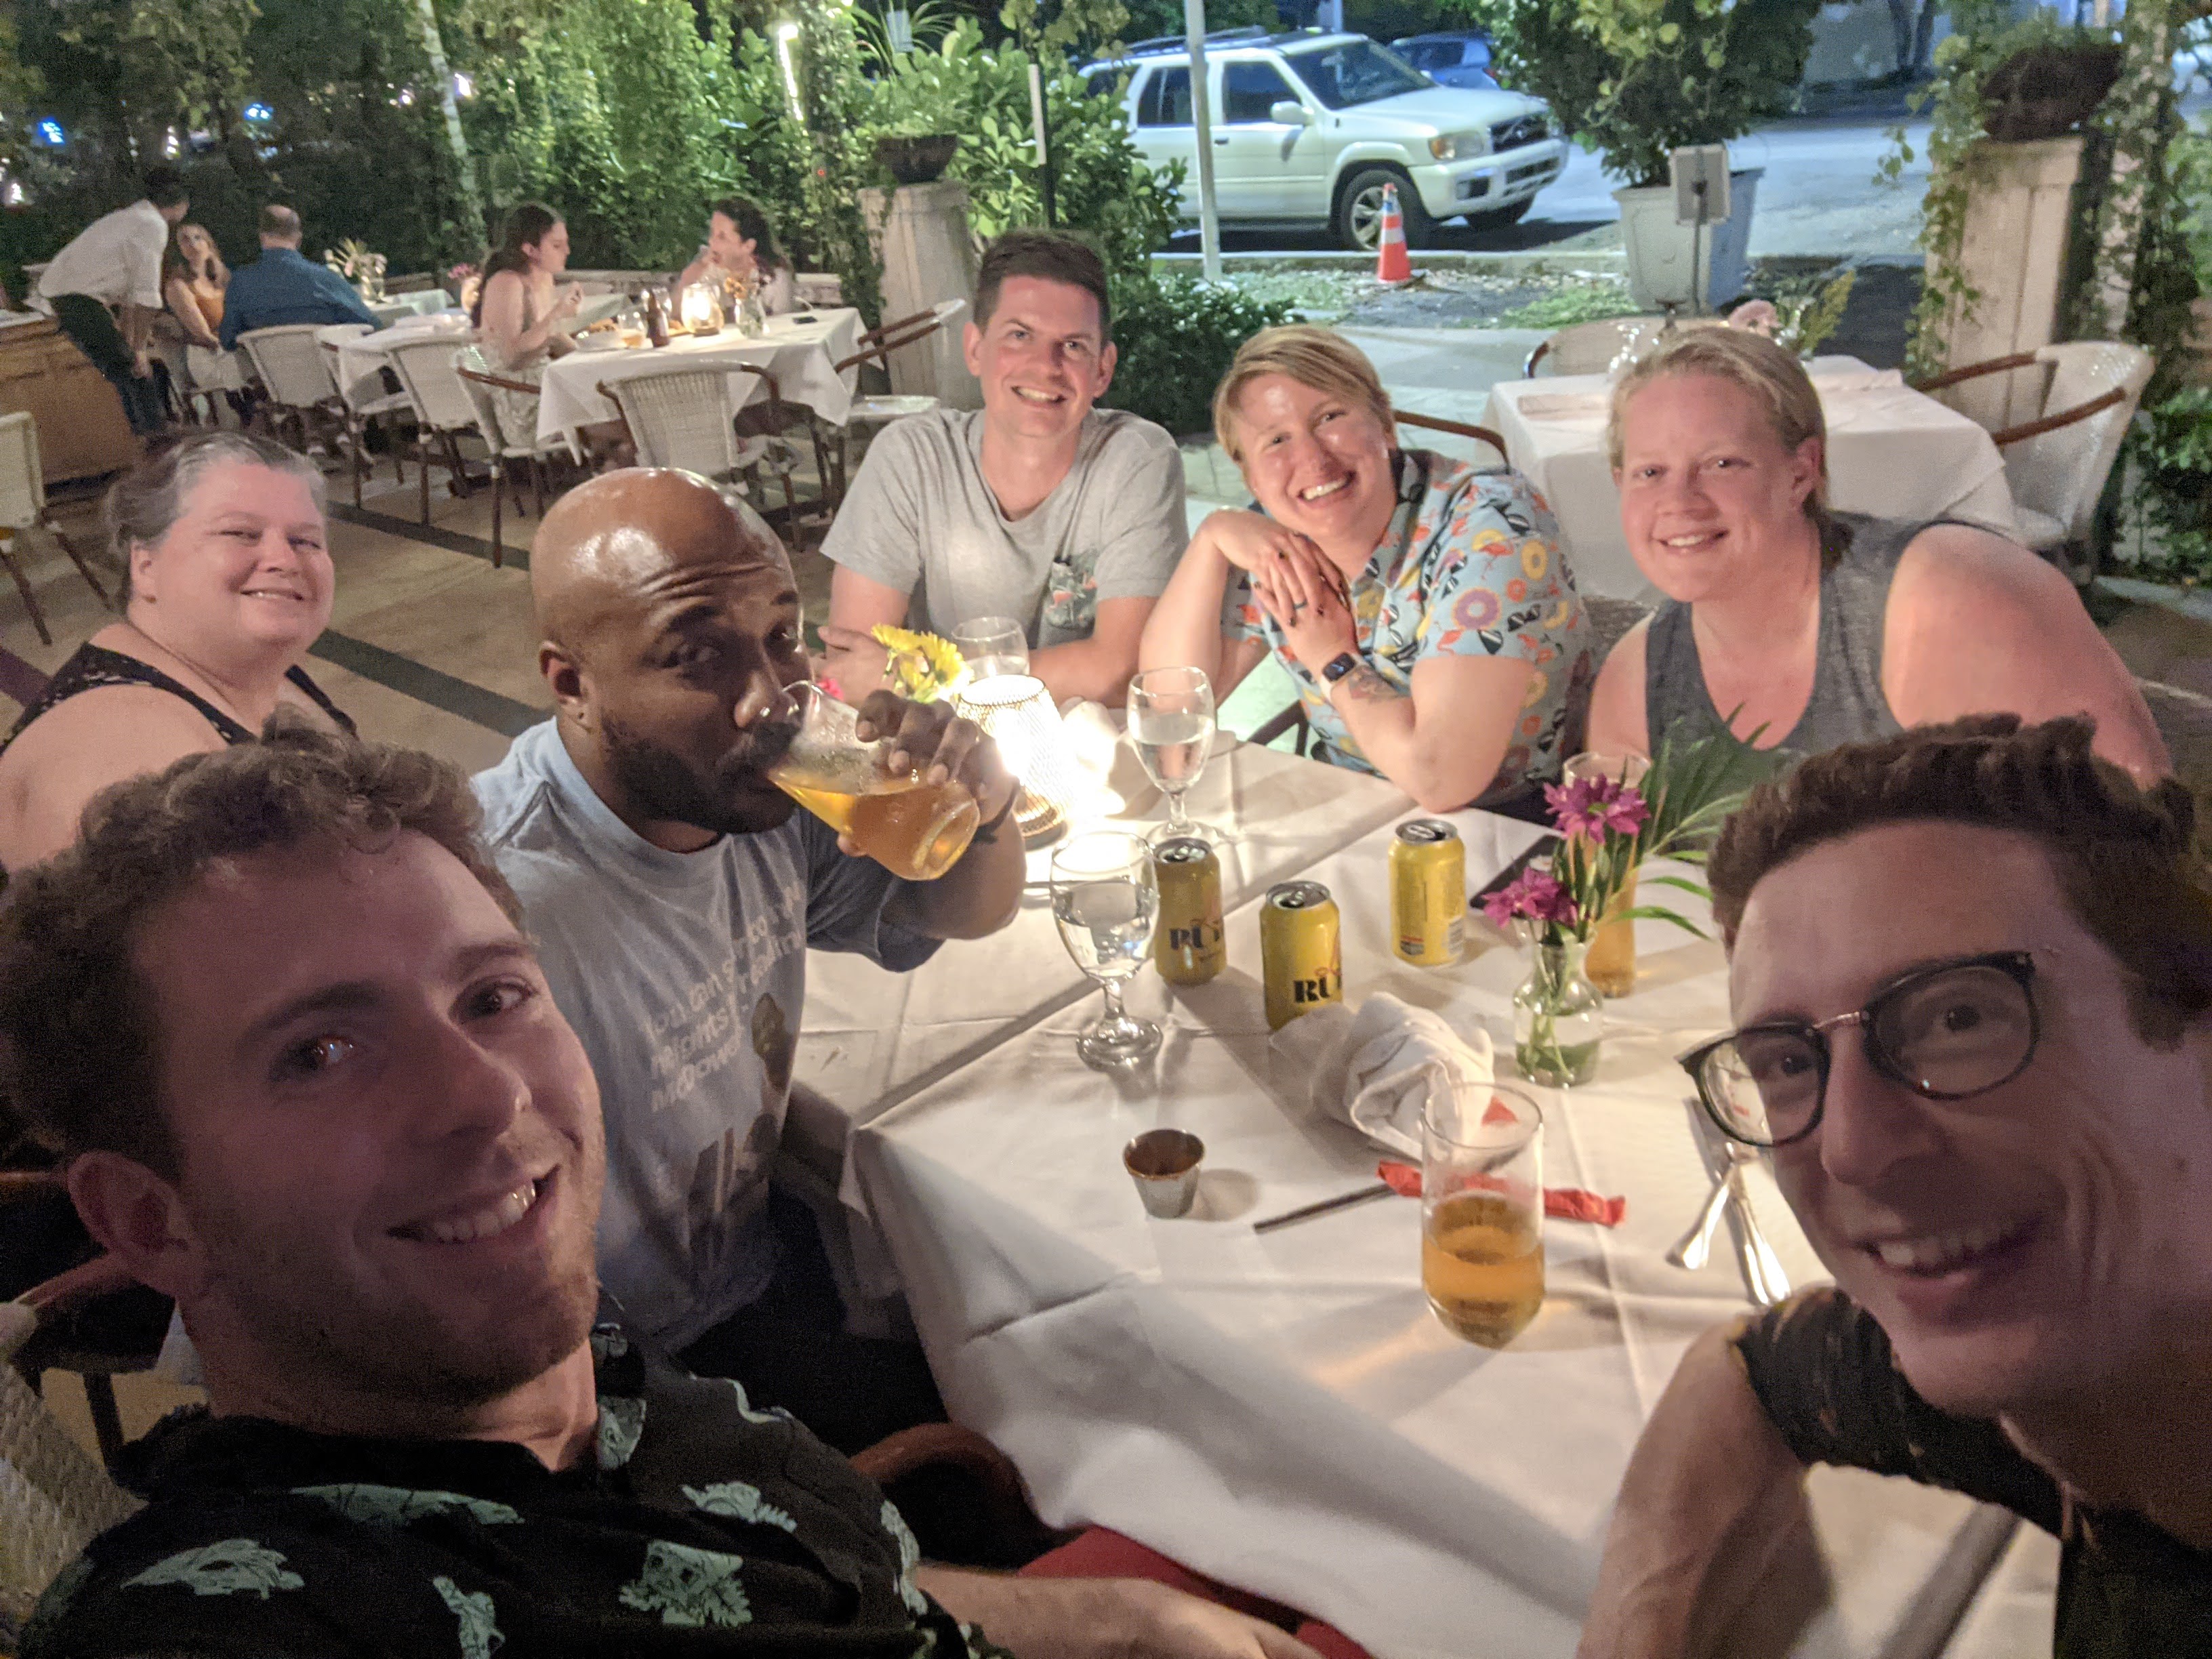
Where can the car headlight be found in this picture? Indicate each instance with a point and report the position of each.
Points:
(1458, 146)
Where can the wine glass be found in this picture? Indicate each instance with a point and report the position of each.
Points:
(1106, 902)
(1172, 729)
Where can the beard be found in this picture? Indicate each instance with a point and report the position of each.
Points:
(725, 799)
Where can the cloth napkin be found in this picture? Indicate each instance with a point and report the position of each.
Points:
(1373, 1069)
(1569, 406)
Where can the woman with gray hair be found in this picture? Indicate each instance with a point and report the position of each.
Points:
(1806, 628)
(227, 582)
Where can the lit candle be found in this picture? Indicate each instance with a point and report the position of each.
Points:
(1019, 714)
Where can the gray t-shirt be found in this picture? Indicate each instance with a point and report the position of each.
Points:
(921, 519)
(684, 974)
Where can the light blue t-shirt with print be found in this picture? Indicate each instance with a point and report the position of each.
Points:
(685, 974)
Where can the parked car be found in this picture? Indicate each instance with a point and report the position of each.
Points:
(1308, 128)
(1451, 58)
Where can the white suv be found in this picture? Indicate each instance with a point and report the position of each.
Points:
(1308, 127)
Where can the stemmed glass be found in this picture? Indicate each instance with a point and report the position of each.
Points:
(1172, 729)
(1105, 900)
(993, 645)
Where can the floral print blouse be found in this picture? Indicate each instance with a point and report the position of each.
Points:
(1470, 566)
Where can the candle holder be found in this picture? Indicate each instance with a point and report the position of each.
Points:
(1019, 714)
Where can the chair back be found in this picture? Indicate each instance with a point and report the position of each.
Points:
(1594, 348)
(22, 489)
(427, 373)
(469, 361)
(680, 417)
(291, 363)
(2063, 472)
(1459, 439)
(54, 1497)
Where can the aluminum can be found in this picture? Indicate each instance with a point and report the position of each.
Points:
(1301, 958)
(1190, 945)
(1428, 893)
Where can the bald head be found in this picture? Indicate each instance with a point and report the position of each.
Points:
(607, 550)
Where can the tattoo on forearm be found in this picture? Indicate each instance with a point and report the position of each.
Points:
(1364, 684)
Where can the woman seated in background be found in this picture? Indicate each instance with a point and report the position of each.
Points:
(227, 582)
(1422, 608)
(520, 307)
(1811, 628)
(741, 243)
(193, 281)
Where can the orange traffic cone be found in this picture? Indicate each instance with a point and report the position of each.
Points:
(1391, 265)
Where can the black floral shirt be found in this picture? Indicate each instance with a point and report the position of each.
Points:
(701, 1527)
(1823, 1369)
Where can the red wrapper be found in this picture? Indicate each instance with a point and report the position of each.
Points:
(1560, 1203)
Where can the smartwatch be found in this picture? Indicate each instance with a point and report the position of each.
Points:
(1337, 668)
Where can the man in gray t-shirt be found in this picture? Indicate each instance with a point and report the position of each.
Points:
(672, 892)
(1039, 506)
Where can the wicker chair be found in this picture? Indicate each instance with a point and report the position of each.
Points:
(876, 347)
(686, 418)
(2057, 463)
(1481, 434)
(23, 503)
(1593, 348)
(295, 372)
(503, 445)
(443, 407)
(362, 401)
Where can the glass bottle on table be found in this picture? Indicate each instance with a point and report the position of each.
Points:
(1172, 725)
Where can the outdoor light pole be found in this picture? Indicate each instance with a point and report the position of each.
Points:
(1209, 223)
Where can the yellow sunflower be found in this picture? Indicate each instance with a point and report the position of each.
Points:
(923, 666)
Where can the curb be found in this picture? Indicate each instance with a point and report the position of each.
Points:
(1535, 261)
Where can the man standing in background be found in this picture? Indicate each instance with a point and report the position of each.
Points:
(116, 261)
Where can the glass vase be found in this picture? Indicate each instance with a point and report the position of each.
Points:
(1558, 1018)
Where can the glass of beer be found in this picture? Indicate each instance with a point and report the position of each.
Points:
(1482, 1208)
(915, 830)
(1611, 963)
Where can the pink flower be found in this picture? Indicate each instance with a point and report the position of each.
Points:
(1593, 807)
(831, 687)
(1535, 895)
(1757, 315)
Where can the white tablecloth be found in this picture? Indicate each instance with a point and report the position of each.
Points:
(1892, 453)
(1284, 1413)
(362, 358)
(419, 303)
(802, 356)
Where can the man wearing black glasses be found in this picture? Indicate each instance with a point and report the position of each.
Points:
(1973, 966)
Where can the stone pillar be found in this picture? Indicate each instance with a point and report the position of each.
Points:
(2014, 253)
(921, 237)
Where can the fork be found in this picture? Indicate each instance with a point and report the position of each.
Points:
(1762, 1269)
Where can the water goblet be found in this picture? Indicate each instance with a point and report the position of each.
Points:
(991, 646)
(1106, 902)
(1171, 728)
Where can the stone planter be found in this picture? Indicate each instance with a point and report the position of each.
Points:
(917, 160)
(2019, 205)
(1661, 251)
(919, 233)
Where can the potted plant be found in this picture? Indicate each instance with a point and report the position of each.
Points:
(1635, 81)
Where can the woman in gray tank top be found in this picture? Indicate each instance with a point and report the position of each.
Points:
(1797, 630)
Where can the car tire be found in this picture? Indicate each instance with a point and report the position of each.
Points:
(1359, 209)
(1499, 218)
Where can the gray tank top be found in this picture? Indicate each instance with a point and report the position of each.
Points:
(1847, 705)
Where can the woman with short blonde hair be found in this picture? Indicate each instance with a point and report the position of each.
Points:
(1797, 628)
(1423, 610)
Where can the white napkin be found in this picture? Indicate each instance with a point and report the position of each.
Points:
(1106, 769)
(1372, 1069)
(1564, 406)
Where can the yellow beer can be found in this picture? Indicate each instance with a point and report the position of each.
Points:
(1190, 945)
(1428, 893)
(1301, 957)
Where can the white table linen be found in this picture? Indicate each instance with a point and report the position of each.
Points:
(362, 358)
(422, 302)
(802, 356)
(1892, 452)
(1284, 1413)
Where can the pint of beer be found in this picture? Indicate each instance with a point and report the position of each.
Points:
(915, 830)
(1482, 1209)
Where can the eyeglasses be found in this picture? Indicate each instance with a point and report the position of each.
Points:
(1947, 1031)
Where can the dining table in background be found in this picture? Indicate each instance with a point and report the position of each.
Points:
(801, 350)
(420, 303)
(1283, 1413)
(363, 357)
(1892, 452)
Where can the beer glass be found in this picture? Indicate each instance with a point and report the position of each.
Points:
(991, 646)
(1172, 729)
(915, 830)
(1107, 903)
(1482, 1208)
(1611, 963)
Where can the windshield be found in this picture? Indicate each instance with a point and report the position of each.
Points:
(1354, 72)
